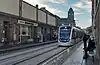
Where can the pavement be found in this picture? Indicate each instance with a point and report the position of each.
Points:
(77, 58)
(25, 46)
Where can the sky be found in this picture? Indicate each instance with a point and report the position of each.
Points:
(82, 9)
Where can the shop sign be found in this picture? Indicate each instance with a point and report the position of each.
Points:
(35, 24)
(26, 22)
(21, 22)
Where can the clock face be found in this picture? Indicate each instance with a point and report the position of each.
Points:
(69, 13)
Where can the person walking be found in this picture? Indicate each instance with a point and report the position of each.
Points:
(85, 38)
(91, 44)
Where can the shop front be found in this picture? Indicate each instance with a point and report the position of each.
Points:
(26, 31)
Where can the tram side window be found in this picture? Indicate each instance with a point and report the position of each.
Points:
(73, 34)
(79, 34)
(76, 34)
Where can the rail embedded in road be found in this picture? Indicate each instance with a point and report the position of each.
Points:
(36, 58)
(27, 54)
(41, 58)
(59, 58)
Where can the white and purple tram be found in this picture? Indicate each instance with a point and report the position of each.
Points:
(68, 35)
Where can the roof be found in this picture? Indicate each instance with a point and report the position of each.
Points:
(71, 9)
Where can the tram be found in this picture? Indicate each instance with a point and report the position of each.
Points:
(69, 35)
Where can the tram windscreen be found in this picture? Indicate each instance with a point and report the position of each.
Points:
(65, 34)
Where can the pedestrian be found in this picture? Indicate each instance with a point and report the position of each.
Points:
(85, 38)
(91, 44)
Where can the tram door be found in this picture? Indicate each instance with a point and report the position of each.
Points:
(6, 31)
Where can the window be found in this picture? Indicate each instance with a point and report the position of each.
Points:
(65, 33)
(73, 34)
(97, 2)
(25, 30)
(29, 30)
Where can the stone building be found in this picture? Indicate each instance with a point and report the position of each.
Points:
(96, 27)
(22, 22)
(69, 20)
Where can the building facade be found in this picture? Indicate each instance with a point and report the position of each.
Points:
(69, 20)
(22, 22)
(96, 26)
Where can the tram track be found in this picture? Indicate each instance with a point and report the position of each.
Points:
(40, 58)
(26, 55)
(34, 58)
(27, 49)
(18, 62)
(60, 57)
(52, 56)
(22, 47)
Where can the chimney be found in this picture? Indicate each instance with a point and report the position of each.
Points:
(36, 5)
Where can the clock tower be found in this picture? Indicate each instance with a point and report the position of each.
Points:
(71, 14)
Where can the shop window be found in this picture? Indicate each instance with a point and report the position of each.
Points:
(24, 30)
(29, 30)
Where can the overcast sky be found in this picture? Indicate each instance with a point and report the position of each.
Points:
(82, 9)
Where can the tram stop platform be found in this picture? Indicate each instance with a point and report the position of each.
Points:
(77, 58)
